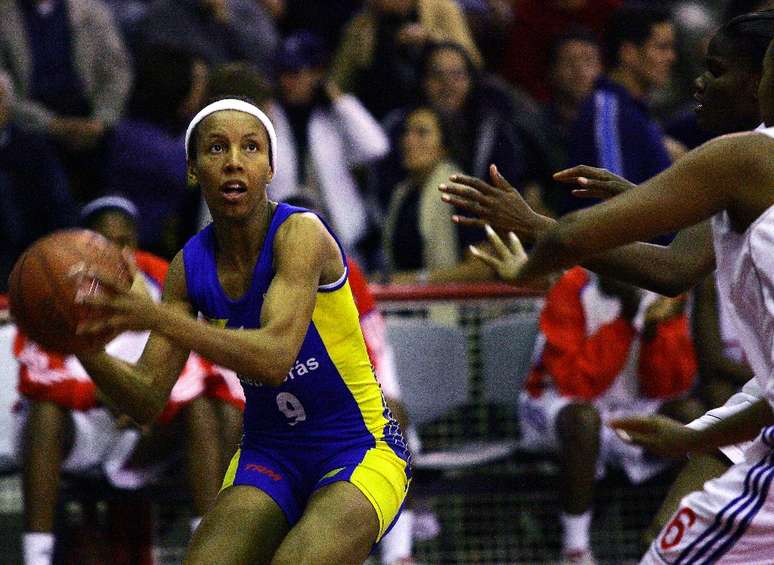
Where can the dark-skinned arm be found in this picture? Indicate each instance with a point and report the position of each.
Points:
(695, 188)
(667, 270)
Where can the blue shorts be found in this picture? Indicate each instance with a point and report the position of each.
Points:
(291, 476)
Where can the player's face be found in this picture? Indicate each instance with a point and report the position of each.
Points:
(422, 143)
(726, 91)
(657, 55)
(448, 81)
(766, 88)
(232, 163)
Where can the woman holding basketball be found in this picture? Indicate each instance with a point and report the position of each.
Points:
(322, 469)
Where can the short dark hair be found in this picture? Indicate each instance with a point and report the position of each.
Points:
(631, 23)
(579, 33)
(750, 35)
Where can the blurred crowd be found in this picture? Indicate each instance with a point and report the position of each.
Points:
(376, 103)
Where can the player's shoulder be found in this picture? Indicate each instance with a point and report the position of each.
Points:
(302, 229)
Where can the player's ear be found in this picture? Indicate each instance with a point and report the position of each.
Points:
(192, 178)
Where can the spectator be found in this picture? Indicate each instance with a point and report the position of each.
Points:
(72, 76)
(382, 45)
(220, 31)
(66, 425)
(536, 25)
(34, 192)
(605, 350)
(146, 159)
(322, 134)
(478, 112)
(575, 64)
(614, 129)
(421, 243)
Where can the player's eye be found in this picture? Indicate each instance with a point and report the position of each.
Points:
(251, 146)
(216, 147)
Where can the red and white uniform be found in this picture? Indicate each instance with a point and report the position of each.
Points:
(45, 376)
(588, 352)
(731, 520)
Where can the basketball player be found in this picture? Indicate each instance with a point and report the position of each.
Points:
(727, 92)
(731, 181)
(63, 425)
(322, 469)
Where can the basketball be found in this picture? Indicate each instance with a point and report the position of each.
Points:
(46, 279)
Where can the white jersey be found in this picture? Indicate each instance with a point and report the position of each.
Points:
(731, 519)
(745, 281)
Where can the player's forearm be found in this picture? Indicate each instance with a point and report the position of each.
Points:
(739, 427)
(127, 387)
(253, 354)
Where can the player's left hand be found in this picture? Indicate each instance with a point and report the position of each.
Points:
(507, 260)
(120, 309)
(658, 434)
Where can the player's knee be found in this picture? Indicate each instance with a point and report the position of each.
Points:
(578, 421)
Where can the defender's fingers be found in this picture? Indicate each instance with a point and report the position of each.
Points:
(461, 191)
(500, 181)
(632, 424)
(465, 221)
(494, 239)
(587, 171)
(473, 182)
(484, 256)
(515, 245)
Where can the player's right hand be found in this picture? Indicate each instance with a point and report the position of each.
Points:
(593, 182)
(658, 434)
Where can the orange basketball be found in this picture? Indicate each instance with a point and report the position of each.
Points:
(46, 279)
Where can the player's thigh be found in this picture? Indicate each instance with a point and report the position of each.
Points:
(244, 526)
(339, 526)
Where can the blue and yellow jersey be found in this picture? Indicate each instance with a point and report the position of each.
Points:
(330, 395)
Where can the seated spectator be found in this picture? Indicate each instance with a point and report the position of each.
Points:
(605, 350)
(575, 64)
(146, 157)
(323, 133)
(477, 111)
(65, 424)
(72, 75)
(220, 31)
(35, 195)
(382, 46)
(614, 129)
(421, 243)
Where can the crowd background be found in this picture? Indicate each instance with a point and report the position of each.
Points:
(377, 102)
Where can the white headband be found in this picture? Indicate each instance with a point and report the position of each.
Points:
(239, 106)
(108, 202)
